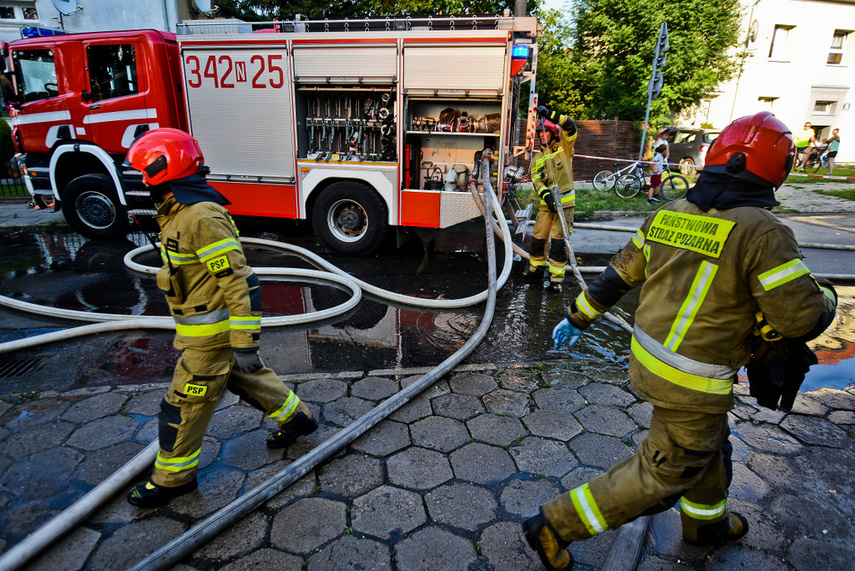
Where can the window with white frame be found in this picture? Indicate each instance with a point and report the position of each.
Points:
(766, 103)
(20, 11)
(838, 47)
(824, 107)
(780, 48)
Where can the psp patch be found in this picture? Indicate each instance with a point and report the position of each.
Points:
(195, 390)
(218, 264)
(172, 244)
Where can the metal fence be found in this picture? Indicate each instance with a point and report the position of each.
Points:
(12, 187)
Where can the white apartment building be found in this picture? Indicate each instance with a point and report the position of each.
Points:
(801, 66)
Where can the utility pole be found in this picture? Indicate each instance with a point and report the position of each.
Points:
(654, 86)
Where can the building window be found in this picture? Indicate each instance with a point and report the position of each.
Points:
(824, 107)
(766, 103)
(780, 48)
(19, 12)
(838, 47)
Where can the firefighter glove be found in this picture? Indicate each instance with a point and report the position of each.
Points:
(541, 111)
(565, 332)
(549, 200)
(248, 362)
(777, 370)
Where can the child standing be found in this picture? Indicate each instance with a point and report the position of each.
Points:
(656, 174)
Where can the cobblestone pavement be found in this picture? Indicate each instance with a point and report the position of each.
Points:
(442, 484)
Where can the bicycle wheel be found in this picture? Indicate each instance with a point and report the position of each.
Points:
(674, 187)
(628, 186)
(813, 165)
(604, 180)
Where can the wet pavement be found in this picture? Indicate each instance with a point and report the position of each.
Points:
(445, 481)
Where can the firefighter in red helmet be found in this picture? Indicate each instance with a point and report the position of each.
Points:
(738, 294)
(215, 300)
(552, 165)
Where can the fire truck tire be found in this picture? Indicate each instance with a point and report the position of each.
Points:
(91, 206)
(349, 218)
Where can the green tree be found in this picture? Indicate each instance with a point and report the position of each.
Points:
(354, 9)
(613, 43)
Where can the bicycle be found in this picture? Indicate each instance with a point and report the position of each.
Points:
(816, 160)
(674, 186)
(606, 179)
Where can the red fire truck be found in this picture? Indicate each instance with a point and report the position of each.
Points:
(354, 125)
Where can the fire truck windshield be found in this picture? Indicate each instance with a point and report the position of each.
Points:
(35, 74)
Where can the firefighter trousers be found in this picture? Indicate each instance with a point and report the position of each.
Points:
(197, 384)
(548, 225)
(685, 457)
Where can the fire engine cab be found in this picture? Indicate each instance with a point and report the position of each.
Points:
(355, 125)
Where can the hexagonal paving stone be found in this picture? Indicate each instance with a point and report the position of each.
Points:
(42, 474)
(599, 451)
(611, 375)
(351, 475)
(234, 420)
(495, 429)
(249, 451)
(605, 420)
(388, 512)
(551, 424)
(461, 505)
(459, 407)
(417, 408)
(641, 413)
(434, 548)
(131, 543)
(103, 432)
(440, 387)
(246, 535)
(350, 552)
(606, 395)
(482, 464)
(506, 402)
(321, 390)
(418, 469)
(579, 476)
(543, 456)
(345, 410)
(146, 404)
(518, 380)
(524, 497)
(307, 524)
(266, 559)
(95, 407)
(563, 400)
(38, 438)
(505, 547)
(816, 431)
(475, 384)
(385, 438)
(439, 433)
(374, 388)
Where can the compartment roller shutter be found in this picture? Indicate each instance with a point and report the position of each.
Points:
(478, 68)
(345, 64)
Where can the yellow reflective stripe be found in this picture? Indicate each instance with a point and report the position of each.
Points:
(782, 274)
(250, 322)
(686, 316)
(702, 511)
(586, 507)
(828, 293)
(638, 239)
(214, 316)
(678, 377)
(537, 263)
(569, 197)
(217, 248)
(586, 308)
(202, 330)
(557, 270)
(177, 259)
(286, 409)
(178, 464)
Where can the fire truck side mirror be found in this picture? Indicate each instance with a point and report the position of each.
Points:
(86, 96)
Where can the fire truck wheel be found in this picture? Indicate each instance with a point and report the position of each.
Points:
(91, 206)
(349, 219)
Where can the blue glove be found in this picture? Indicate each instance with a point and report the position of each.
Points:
(565, 332)
(248, 361)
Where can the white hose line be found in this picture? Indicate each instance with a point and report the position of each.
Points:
(171, 553)
(45, 536)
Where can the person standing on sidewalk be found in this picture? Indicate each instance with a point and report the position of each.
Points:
(553, 165)
(215, 299)
(656, 174)
(833, 145)
(730, 268)
(805, 139)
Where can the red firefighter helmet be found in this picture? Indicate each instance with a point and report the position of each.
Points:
(546, 125)
(165, 154)
(753, 147)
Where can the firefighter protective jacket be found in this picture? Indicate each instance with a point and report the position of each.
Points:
(213, 296)
(705, 275)
(554, 165)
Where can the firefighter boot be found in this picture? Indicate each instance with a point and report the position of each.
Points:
(300, 425)
(151, 495)
(730, 529)
(551, 549)
(530, 273)
(554, 287)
